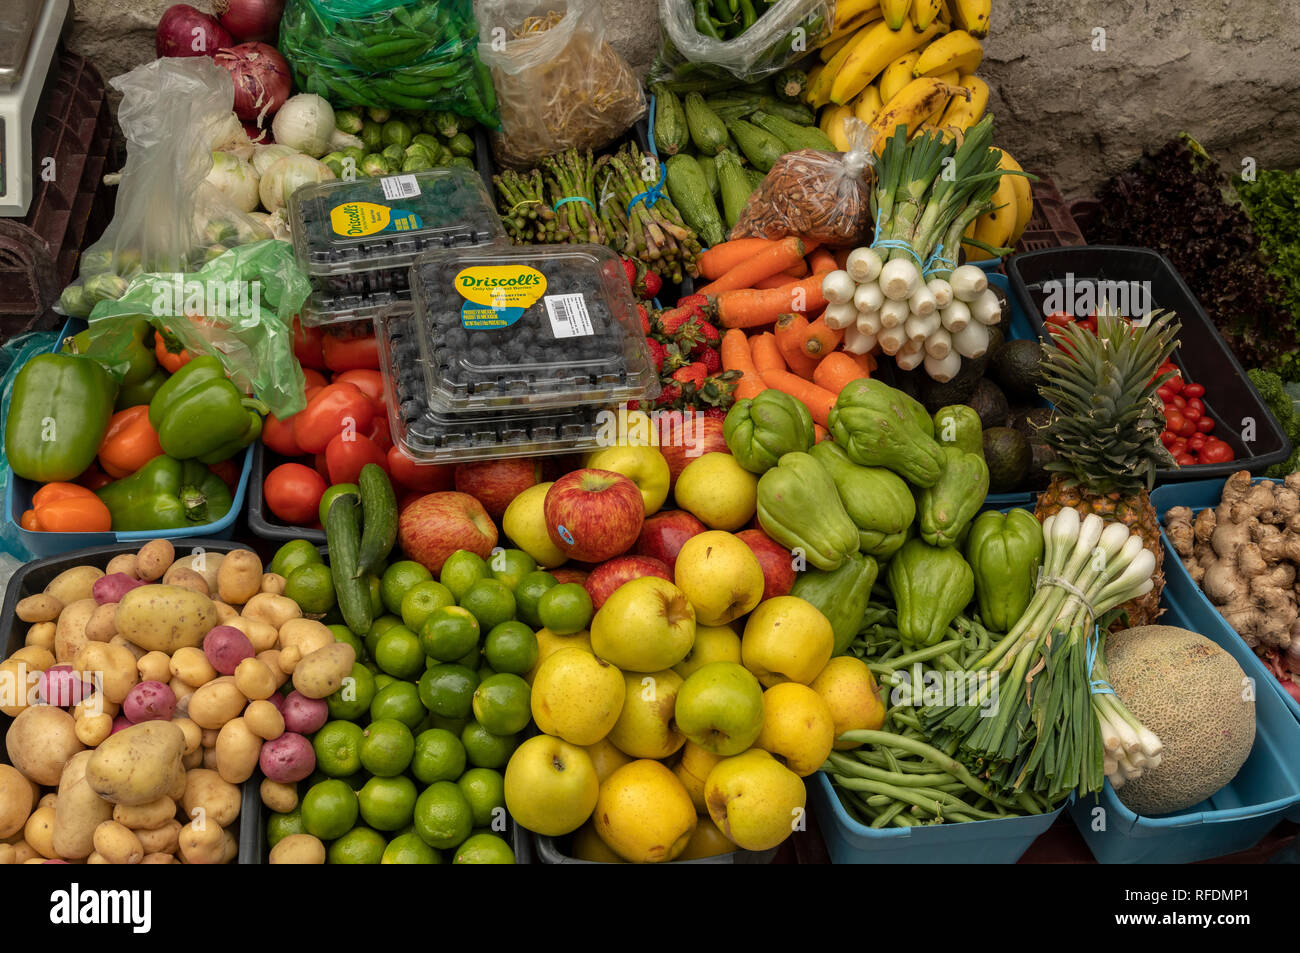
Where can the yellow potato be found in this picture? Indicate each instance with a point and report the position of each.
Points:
(193, 760)
(204, 563)
(177, 790)
(36, 658)
(322, 672)
(97, 858)
(298, 849)
(7, 854)
(237, 751)
(154, 667)
(261, 634)
(125, 563)
(95, 704)
(289, 659)
(279, 797)
(202, 843)
(137, 653)
(23, 851)
(240, 577)
(183, 692)
(139, 764)
(254, 680)
(210, 737)
(189, 579)
(78, 810)
(17, 800)
(275, 610)
(41, 635)
(73, 584)
(118, 844)
(38, 608)
(191, 665)
(39, 832)
(101, 627)
(264, 720)
(147, 817)
(273, 583)
(225, 613)
(216, 703)
(165, 618)
(158, 859)
(209, 759)
(40, 741)
(48, 800)
(193, 733)
(70, 632)
(229, 847)
(154, 559)
(306, 635)
(211, 798)
(162, 839)
(115, 665)
(271, 659)
(93, 729)
(17, 686)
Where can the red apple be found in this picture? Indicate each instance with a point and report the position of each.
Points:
(664, 534)
(436, 525)
(685, 438)
(607, 577)
(775, 560)
(564, 574)
(496, 482)
(593, 515)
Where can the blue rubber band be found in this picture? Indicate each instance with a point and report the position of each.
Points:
(896, 243)
(653, 194)
(936, 256)
(1099, 686)
(572, 198)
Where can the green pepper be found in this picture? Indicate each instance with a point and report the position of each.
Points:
(141, 392)
(930, 587)
(200, 413)
(140, 357)
(945, 508)
(58, 414)
(879, 426)
(166, 493)
(760, 430)
(1004, 551)
(799, 507)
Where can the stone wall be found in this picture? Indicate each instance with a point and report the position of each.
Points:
(1070, 101)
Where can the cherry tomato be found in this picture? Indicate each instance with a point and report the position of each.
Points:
(370, 383)
(1205, 424)
(1060, 319)
(293, 492)
(1194, 390)
(349, 353)
(1216, 451)
(347, 453)
(1192, 414)
(1164, 393)
(1178, 446)
(313, 378)
(1173, 419)
(1196, 404)
(1167, 437)
(1175, 384)
(1179, 401)
(1196, 442)
(307, 346)
(278, 435)
(1188, 428)
(329, 411)
(419, 477)
(1185, 460)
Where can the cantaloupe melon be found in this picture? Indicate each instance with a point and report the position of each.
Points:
(1194, 696)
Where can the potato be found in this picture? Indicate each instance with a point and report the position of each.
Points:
(146, 817)
(102, 625)
(125, 563)
(216, 800)
(254, 679)
(41, 635)
(271, 659)
(148, 701)
(41, 607)
(210, 737)
(183, 692)
(306, 635)
(275, 610)
(7, 853)
(281, 798)
(73, 584)
(17, 800)
(289, 658)
(209, 759)
(96, 858)
(216, 703)
(70, 631)
(18, 684)
(39, 832)
(190, 665)
(158, 859)
(164, 618)
(225, 646)
(111, 588)
(202, 843)
(154, 559)
(93, 729)
(240, 577)
(288, 759)
(322, 672)
(298, 849)
(137, 764)
(193, 733)
(78, 810)
(160, 839)
(154, 667)
(137, 653)
(36, 658)
(177, 789)
(237, 751)
(264, 720)
(225, 613)
(117, 844)
(95, 704)
(40, 741)
(193, 760)
(229, 847)
(204, 563)
(189, 579)
(261, 634)
(116, 667)
(273, 583)
(23, 851)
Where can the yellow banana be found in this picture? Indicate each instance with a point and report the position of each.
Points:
(895, 12)
(827, 52)
(957, 50)
(857, 24)
(945, 14)
(832, 124)
(924, 12)
(952, 78)
(819, 91)
(867, 104)
(850, 14)
(972, 15)
(964, 111)
(995, 228)
(973, 253)
(897, 75)
(1024, 194)
(911, 106)
(877, 47)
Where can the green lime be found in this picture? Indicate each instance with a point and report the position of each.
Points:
(527, 594)
(501, 704)
(448, 690)
(387, 804)
(485, 790)
(409, 849)
(293, 554)
(439, 756)
(461, 570)
(280, 826)
(386, 747)
(312, 587)
(382, 679)
(399, 701)
(470, 659)
(442, 816)
(511, 647)
(399, 579)
(418, 604)
(485, 671)
(360, 845)
(376, 602)
(449, 633)
(377, 629)
(454, 725)
(357, 781)
(484, 749)
(490, 601)
(511, 565)
(329, 809)
(565, 609)
(484, 849)
(333, 493)
(398, 652)
(343, 634)
(353, 698)
(338, 748)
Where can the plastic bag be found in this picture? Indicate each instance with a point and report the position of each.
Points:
(559, 83)
(822, 196)
(401, 54)
(786, 31)
(16, 352)
(175, 112)
(239, 306)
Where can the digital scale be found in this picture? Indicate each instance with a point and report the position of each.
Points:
(29, 39)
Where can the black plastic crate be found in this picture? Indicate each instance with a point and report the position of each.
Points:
(261, 521)
(1203, 357)
(1050, 225)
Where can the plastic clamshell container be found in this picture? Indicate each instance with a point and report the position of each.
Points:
(529, 327)
(553, 850)
(261, 521)
(1203, 357)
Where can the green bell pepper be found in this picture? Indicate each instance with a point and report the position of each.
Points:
(841, 595)
(200, 414)
(799, 507)
(141, 392)
(931, 586)
(139, 357)
(879, 426)
(950, 504)
(958, 425)
(166, 493)
(760, 430)
(58, 414)
(878, 501)
(1004, 551)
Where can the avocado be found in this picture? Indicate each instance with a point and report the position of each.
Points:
(1040, 454)
(935, 395)
(1015, 368)
(1008, 456)
(1029, 421)
(990, 403)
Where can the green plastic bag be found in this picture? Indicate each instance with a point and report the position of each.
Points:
(239, 306)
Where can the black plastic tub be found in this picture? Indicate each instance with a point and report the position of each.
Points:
(261, 521)
(1230, 398)
(553, 850)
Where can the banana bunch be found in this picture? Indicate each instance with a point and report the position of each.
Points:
(1013, 206)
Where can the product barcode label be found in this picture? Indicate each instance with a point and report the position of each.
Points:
(569, 317)
(399, 187)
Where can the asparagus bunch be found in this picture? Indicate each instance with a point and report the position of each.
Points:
(572, 186)
(524, 212)
(656, 233)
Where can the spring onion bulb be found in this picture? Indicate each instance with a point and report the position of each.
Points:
(868, 297)
(899, 278)
(840, 315)
(863, 265)
(971, 341)
(910, 360)
(955, 317)
(838, 287)
(893, 313)
(943, 369)
(942, 292)
(891, 339)
(939, 344)
(968, 282)
(985, 309)
(869, 322)
(857, 341)
(918, 328)
(923, 302)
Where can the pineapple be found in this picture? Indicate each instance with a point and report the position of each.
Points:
(1105, 429)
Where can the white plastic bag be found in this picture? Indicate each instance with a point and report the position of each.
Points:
(787, 31)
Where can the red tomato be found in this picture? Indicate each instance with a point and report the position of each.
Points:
(1191, 413)
(1089, 324)
(350, 353)
(370, 383)
(380, 433)
(348, 453)
(1188, 428)
(1197, 405)
(1167, 437)
(1196, 442)
(1193, 390)
(1164, 393)
(1179, 401)
(419, 477)
(1173, 419)
(1175, 384)
(1178, 446)
(322, 468)
(293, 493)
(1205, 424)
(313, 378)
(307, 346)
(1185, 460)
(1216, 451)
(1060, 319)
(278, 435)
(328, 412)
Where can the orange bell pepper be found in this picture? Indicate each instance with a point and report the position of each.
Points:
(66, 508)
(130, 442)
(171, 361)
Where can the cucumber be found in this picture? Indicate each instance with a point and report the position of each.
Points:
(734, 184)
(710, 170)
(343, 535)
(708, 132)
(791, 84)
(760, 147)
(379, 518)
(671, 134)
(794, 136)
(689, 190)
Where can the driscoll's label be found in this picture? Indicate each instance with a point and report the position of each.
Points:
(359, 219)
(496, 296)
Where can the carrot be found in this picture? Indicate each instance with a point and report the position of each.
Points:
(821, 338)
(836, 370)
(798, 270)
(736, 356)
(765, 352)
(753, 308)
(720, 259)
(821, 261)
(768, 262)
(865, 361)
(820, 432)
(818, 400)
(776, 281)
(791, 329)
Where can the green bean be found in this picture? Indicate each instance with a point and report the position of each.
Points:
(932, 754)
(887, 815)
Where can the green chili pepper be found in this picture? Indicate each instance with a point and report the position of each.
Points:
(747, 15)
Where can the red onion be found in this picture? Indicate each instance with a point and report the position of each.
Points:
(258, 135)
(184, 31)
(261, 77)
(250, 19)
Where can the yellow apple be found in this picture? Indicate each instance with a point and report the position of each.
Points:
(577, 696)
(707, 841)
(550, 786)
(525, 523)
(587, 845)
(692, 769)
(644, 814)
(645, 728)
(798, 729)
(720, 575)
(786, 640)
(644, 466)
(548, 643)
(625, 428)
(755, 801)
(850, 692)
(720, 708)
(606, 757)
(713, 643)
(646, 625)
(718, 491)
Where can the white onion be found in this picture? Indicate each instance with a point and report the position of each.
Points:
(838, 287)
(306, 123)
(869, 323)
(967, 281)
(288, 174)
(898, 279)
(946, 368)
(893, 313)
(868, 297)
(941, 290)
(955, 317)
(840, 315)
(863, 264)
(985, 309)
(858, 342)
(265, 156)
(235, 179)
(891, 339)
(939, 344)
(971, 341)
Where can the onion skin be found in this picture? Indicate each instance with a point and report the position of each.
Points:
(175, 37)
(261, 78)
(250, 20)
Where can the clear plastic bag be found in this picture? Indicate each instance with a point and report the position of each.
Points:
(822, 196)
(786, 31)
(559, 83)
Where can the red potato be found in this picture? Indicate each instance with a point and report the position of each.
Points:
(287, 759)
(225, 646)
(149, 701)
(303, 715)
(120, 723)
(113, 587)
(61, 687)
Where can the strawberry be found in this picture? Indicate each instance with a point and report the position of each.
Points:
(651, 284)
(673, 358)
(718, 390)
(719, 413)
(668, 324)
(644, 315)
(657, 353)
(691, 376)
(669, 394)
(630, 269)
(708, 337)
(699, 302)
(710, 358)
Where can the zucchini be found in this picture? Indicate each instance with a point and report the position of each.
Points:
(760, 147)
(710, 170)
(689, 190)
(755, 177)
(794, 136)
(791, 84)
(671, 134)
(708, 132)
(738, 106)
(343, 535)
(734, 184)
(379, 518)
